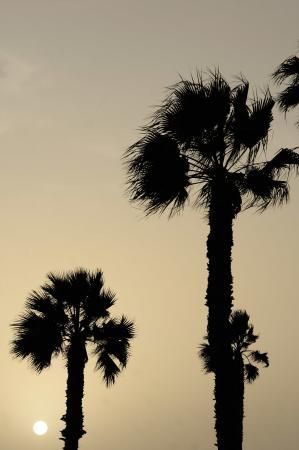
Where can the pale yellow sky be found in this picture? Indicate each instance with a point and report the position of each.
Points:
(77, 80)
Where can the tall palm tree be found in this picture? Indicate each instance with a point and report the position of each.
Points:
(244, 363)
(69, 311)
(288, 71)
(205, 143)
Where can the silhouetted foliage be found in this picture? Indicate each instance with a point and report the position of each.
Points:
(288, 72)
(206, 143)
(245, 361)
(69, 311)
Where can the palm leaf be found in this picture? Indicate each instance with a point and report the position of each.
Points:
(181, 114)
(248, 126)
(46, 306)
(289, 98)
(96, 306)
(239, 325)
(219, 99)
(288, 71)
(37, 338)
(96, 301)
(78, 286)
(262, 190)
(158, 173)
(205, 355)
(251, 129)
(249, 338)
(288, 68)
(194, 108)
(112, 343)
(239, 97)
(57, 287)
(109, 368)
(260, 358)
(285, 160)
(251, 373)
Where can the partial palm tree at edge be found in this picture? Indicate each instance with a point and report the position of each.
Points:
(69, 311)
(288, 72)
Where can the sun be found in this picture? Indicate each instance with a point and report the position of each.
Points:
(40, 427)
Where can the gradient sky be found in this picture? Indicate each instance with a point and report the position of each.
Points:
(77, 80)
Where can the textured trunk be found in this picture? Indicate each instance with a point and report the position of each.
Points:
(219, 299)
(76, 359)
(238, 398)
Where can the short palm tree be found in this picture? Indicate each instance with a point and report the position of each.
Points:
(69, 311)
(244, 363)
(205, 144)
(288, 72)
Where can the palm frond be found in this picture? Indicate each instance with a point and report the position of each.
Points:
(251, 373)
(250, 338)
(46, 306)
(114, 332)
(262, 190)
(56, 287)
(260, 118)
(285, 160)
(242, 332)
(158, 173)
(78, 286)
(96, 306)
(288, 71)
(249, 125)
(96, 300)
(205, 354)
(37, 338)
(194, 107)
(289, 97)
(108, 367)
(253, 131)
(260, 358)
(112, 343)
(239, 97)
(289, 68)
(203, 197)
(219, 99)
(180, 114)
(122, 329)
(239, 323)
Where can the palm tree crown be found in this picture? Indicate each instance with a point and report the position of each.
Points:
(68, 312)
(204, 130)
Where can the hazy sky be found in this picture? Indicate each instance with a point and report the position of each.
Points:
(77, 80)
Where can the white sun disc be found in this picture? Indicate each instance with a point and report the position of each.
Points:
(40, 427)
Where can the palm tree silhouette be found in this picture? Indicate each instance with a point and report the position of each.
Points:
(288, 71)
(204, 144)
(69, 311)
(244, 363)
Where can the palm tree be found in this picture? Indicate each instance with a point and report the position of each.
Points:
(288, 71)
(69, 311)
(244, 363)
(204, 143)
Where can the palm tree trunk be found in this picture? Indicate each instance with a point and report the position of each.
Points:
(238, 398)
(76, 360)
(219, 299)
